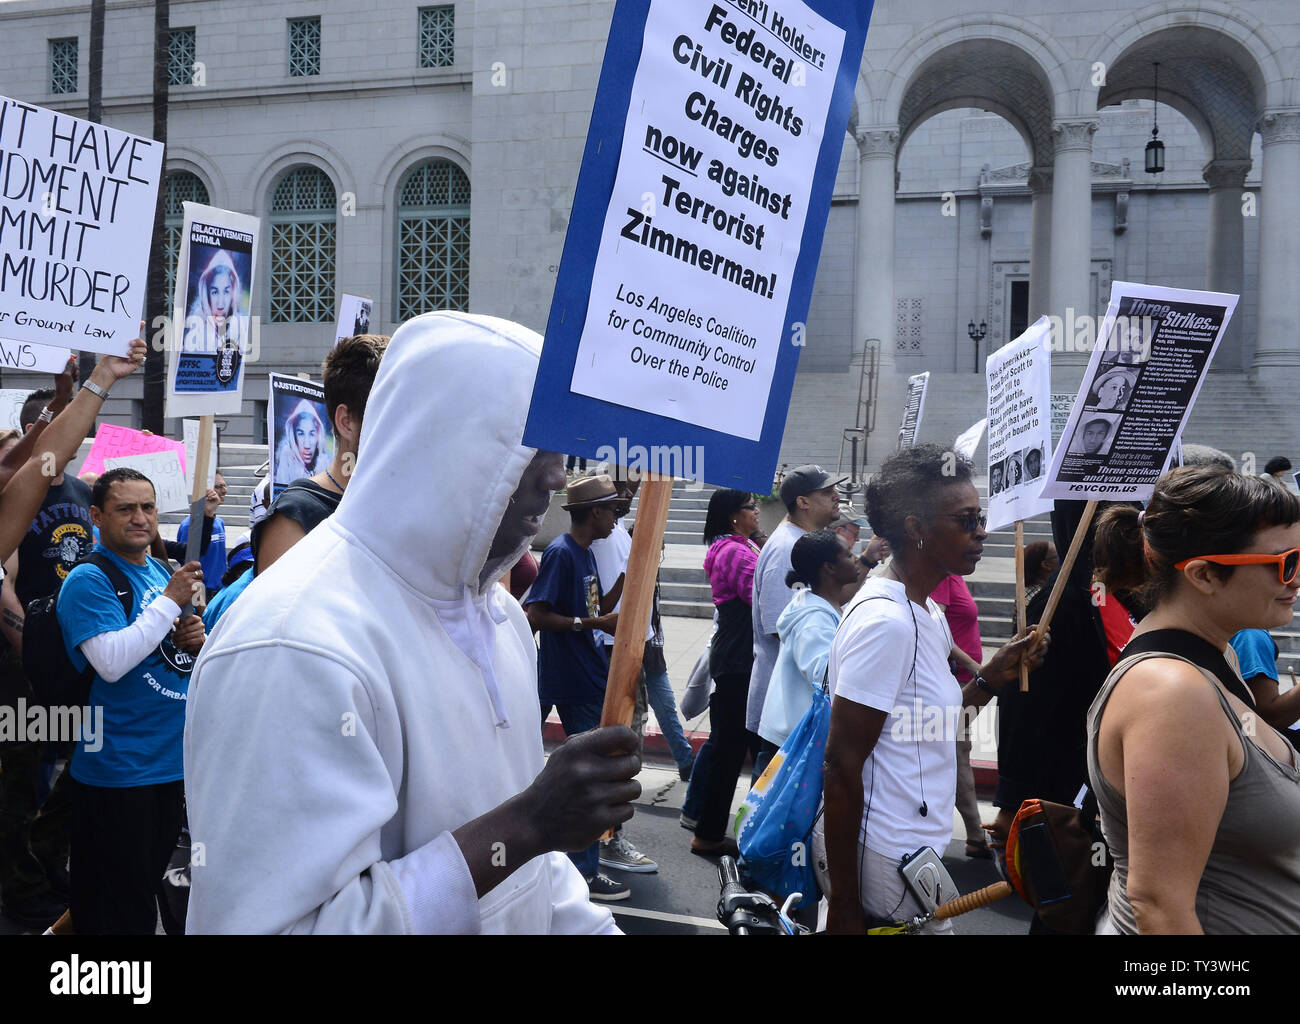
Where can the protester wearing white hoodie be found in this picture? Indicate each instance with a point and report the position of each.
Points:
(361, 746)
(824, 566)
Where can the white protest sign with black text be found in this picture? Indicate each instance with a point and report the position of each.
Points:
(1151, 358)
(213, 333)
(1062, 403)
(23, 355)
(1020, 428)
(701, 237)
(76, 221)
(913, 406)
(164, 471)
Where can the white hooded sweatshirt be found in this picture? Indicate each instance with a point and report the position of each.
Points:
(369, 694)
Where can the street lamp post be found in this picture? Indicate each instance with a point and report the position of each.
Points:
(977, 335)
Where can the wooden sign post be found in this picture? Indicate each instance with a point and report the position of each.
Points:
(1020, 598)
(638, 599)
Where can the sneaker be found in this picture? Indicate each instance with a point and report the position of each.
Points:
(621, 854)
(687, 823)
(604, 889)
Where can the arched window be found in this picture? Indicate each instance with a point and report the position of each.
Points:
(179, 187)
(304, 232)
(432, 239)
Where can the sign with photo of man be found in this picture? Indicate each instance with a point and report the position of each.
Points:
(301, 434)
(1153, 352)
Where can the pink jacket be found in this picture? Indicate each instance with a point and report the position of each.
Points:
(730, 566)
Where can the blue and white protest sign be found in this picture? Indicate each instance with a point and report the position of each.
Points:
(213, 334)
(76, 221)
(682, 295)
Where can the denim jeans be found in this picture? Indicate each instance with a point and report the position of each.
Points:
(664, 705)
(699, 781)
(576, 718)
(659, 693)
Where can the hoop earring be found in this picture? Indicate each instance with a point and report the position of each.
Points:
(920, 543)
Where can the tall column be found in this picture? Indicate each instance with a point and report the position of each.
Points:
(873, 306)
(1223, 272)
(1040, 241)
(1278, 342)
(1069, 293)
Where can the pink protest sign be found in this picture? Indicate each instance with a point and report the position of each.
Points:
(113, 442)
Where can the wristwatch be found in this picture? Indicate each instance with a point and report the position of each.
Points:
(983, 684)
(94, 388)
(867, 561)
(577, 624)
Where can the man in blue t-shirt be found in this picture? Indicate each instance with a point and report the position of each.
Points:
(127, 780)
(566, 606)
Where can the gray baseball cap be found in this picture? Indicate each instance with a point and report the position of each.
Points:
(805, 479)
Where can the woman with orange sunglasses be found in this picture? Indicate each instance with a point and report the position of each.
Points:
(1199, 798)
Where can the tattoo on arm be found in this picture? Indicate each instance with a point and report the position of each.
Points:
(12, 619)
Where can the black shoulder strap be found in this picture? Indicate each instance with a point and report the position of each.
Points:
(1198, 651)
(121, 585)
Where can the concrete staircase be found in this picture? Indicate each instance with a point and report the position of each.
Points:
(686, 513)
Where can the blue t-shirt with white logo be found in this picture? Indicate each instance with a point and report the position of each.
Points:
(144, 711)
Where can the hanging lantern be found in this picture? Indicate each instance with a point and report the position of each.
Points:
(1155, 151)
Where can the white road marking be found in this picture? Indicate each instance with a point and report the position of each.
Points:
(659, 915)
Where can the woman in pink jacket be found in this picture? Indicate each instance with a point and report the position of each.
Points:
(732, 519)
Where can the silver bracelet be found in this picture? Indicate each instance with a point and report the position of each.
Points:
(95, 389)
(45, 416)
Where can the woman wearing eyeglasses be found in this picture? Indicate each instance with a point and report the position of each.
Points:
(1199, 798)
(891, 767)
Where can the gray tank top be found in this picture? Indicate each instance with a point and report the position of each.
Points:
(1251, 882)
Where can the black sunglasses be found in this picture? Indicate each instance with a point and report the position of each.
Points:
(968, 521)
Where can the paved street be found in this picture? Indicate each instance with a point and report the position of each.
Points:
(680, 899)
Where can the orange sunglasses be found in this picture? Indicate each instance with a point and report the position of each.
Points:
(1288, 563)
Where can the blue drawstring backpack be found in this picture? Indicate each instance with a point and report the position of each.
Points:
(774, 825)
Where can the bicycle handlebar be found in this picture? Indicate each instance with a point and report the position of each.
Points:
(742, 911)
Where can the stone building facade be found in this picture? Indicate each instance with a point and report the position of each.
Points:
(426, 154)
